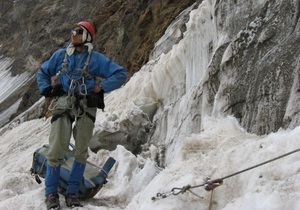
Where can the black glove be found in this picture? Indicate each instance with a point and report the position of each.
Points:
(96, 100)
(53, 91)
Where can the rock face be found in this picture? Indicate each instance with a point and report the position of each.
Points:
(231, 61)
(247, 66)
(126, 32)
(256, 70)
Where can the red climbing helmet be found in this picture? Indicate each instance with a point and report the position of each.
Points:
(89, 27)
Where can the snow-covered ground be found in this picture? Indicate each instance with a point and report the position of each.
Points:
(221, 148)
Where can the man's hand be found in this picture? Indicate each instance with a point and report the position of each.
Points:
(53, 91)
(97, 88)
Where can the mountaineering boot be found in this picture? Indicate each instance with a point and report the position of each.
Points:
(52, 201)
(51, 182)
(74, 183)
(72, 200)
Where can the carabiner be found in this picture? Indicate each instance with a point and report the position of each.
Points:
(52, 104)
(83, 87)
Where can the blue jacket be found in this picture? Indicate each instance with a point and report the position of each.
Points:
(99, 65)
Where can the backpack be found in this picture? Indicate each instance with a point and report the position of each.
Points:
(93, 179)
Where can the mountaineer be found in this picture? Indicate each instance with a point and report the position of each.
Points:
(77, 78)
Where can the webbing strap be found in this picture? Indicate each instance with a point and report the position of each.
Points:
(90, 116)
(84, 70)
(55, 117)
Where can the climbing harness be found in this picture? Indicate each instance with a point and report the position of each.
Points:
(72, 98)
(83, 74)
(210, 185)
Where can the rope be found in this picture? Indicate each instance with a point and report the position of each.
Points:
(211, 184)
(263, 163)
(210, 201)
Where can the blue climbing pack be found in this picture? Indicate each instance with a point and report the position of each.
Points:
(93, 180)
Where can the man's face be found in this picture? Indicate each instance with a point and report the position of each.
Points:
(76, 35)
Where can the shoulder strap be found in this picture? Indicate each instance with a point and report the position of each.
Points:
(84, 70)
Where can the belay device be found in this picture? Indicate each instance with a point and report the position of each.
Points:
(93, 179)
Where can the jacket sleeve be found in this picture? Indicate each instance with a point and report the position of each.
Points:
(47, 70)
(115, 75)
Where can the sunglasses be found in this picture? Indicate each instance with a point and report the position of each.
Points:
(75, 32)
